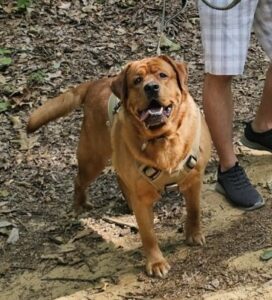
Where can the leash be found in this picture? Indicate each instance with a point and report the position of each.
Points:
(165, 22)
(226, 7)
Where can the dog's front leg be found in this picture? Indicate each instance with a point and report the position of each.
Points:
(156, 264)
(192, 226)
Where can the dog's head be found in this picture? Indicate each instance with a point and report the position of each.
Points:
(152, 91)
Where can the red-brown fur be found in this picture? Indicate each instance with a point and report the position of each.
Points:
(123, 142)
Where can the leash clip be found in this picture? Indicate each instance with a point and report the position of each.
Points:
(172, 189)
(191, 162)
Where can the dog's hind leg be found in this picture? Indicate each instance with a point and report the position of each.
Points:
(87, 172)
(92, 159)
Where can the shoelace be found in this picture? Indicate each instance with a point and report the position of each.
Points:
(238, 177)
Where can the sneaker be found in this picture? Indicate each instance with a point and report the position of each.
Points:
(235, 185)
(256, 140)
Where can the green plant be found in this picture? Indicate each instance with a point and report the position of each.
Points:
(37, 77)
(23, 4)
(5, 60)
(4, 105)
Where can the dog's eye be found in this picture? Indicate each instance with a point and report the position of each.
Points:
(138, 80)
(163, 75)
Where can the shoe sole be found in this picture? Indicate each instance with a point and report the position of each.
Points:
(253, 145)
(220, 190)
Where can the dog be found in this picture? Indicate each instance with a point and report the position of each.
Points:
(158, 141)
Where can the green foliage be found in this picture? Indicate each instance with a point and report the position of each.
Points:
(37, 77)
(266, 255)
(5, 60)
(4, 51)
(23, 4)
(4, 105)
(7, 89)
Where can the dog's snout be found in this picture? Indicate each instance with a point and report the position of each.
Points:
(152, 88)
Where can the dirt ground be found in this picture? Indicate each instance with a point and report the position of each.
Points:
(48, 253)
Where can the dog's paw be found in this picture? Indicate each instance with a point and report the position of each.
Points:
(157, 268)
(195, 238)
(82, 207)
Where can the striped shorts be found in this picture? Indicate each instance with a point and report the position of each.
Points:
(226, 34)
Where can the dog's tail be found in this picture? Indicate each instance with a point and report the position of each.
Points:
(57, 107)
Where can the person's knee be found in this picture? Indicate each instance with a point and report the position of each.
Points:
(218, 79)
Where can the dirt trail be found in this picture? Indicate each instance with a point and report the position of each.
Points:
(55, 44)
(112, 267)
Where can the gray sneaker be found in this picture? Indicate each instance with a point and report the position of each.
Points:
(235, 185)
(255, 140)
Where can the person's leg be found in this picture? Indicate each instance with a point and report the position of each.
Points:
(225, 38)
(218, 109)
(232, 180)
(263, 29)
(263, 118)
(258, 133)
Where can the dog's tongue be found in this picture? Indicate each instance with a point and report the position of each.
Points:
(153, 116)
(152, 112)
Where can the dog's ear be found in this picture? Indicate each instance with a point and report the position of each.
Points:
(181, 71)
(119, 84)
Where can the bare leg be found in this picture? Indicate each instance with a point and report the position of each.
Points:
(263, 119)
(218, 107)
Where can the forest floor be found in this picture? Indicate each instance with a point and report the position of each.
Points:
(48, 253)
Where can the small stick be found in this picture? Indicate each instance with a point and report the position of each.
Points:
(121, 223)
(73, 279)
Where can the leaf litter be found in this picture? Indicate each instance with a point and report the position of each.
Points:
(54, 45)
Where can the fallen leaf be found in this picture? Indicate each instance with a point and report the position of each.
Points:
(54, 75)
(65, 5)
(16, 122)
(4, 193)
(5, 61)
(54, 257)
(67, 248)
(266, 255)
(133, 46)
(5, 224)
(13, 236)
(2, 79)
(26, 142)
(8, 9)
(81, 234)
(166, 43)
(4, 105)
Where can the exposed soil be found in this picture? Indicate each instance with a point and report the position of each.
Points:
(57, 44)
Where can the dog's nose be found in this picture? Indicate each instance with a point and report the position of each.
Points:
(152, 88)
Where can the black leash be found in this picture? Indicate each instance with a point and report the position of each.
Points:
(183, 6)
(165, 22)
(226, 7)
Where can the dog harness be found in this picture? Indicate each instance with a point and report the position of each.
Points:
(114, 104)
(163, 181)
(167, 182)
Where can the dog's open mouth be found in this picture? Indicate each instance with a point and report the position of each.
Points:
(155, 115)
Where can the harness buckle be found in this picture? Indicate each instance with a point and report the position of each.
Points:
(191, 162)
(151, 172)
(116, 107)
(172, 189)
